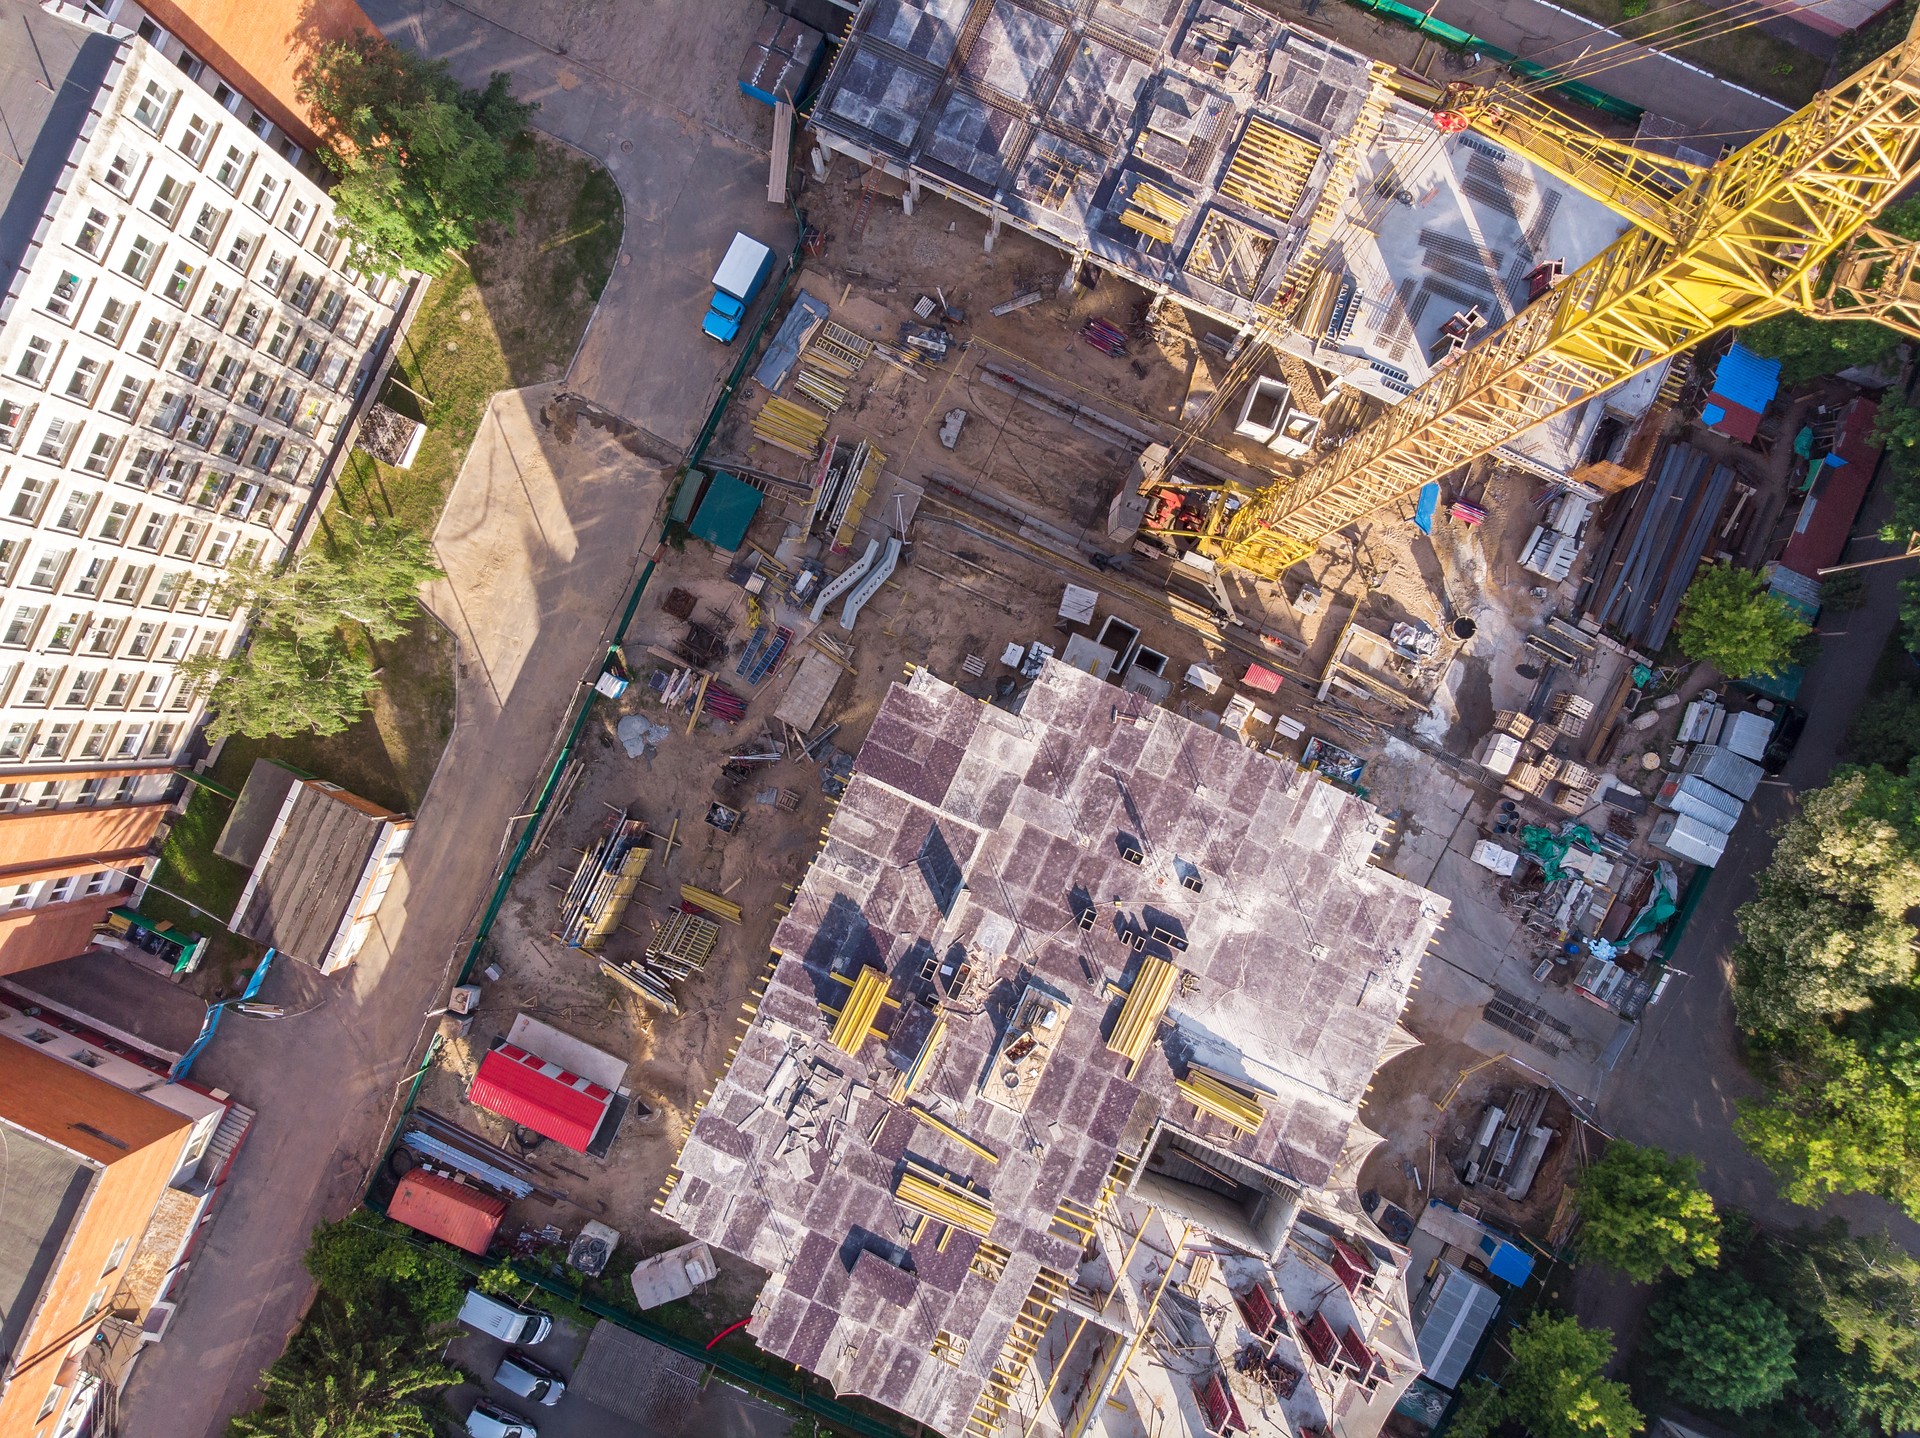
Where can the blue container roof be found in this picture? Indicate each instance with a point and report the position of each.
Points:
(1746, 379)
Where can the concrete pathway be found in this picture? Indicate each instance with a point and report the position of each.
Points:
(649, 91)
(540, 543)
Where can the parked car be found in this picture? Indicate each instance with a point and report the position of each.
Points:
(1786, 734)
(490, 1420)
(524, 1378)
(504, 1319)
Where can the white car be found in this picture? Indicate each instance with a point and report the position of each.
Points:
(524, 1378)
(491, 1421)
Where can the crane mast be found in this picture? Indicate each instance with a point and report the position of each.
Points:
(1765, 230)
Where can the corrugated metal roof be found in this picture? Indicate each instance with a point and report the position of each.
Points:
(544, 1097)
(441, 1208)
(1451, 1331)
(1744, 378)
(1826, 519)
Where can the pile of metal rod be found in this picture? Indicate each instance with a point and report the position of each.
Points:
(789, 426)
(602, 886)
(723, 704)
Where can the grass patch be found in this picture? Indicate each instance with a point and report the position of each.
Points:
(1749, 57)
(508, 313)
(1860, 48)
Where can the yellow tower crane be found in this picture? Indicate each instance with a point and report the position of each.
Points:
(1779, 224)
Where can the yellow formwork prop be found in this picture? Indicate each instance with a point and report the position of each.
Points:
(943, 1200)
(1146, 1001)
(1214, 1093)
(863, 1005)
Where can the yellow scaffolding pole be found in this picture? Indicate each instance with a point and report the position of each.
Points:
(941, 1199)
(855, 1020)
(1140, 1016)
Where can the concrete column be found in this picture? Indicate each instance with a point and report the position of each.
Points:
(819, 162)
(1072, 274)
(912, 196)
(993, 230)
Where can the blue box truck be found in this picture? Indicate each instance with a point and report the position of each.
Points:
(735, 283)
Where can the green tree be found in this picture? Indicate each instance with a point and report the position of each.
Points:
(301, 673)
(421, 163)
(1840, 1121)
(1729, 620)
(343, 1378)
(1886, 731)
(1716, 1342)
(280, 685)
(1643, 1213)
(1860, 1299)
(369, 1265)
(1828, 925)
(1552, 1387)
(1808, 348)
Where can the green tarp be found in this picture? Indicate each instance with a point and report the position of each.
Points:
(725, 511)
(1550, 848)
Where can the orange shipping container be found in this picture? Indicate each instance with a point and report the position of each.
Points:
(441, 1208)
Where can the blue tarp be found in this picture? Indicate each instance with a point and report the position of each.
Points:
(1427, 506)
(1505, 1261)
(1745, 379)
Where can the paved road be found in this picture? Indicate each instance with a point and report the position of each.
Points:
(538, 556)
(1677, 1085)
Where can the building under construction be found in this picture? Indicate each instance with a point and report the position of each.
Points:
(1046, 1118)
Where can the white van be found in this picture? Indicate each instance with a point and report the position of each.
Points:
(504, 1319)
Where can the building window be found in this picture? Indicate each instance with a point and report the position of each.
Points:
(73, 514)
(180, 283)
(111, 322)
(294, 222)
(153, 341)
(196, 139)
(178, 479)
(326, 244)
(264, 451)
(53, 745)
(231, 170)
(304, 289)
(126, 400)
(218, 548)
(66, 632)
(26, 619)
(273, 274)
(311, 351)
(248, 330)
(175, 648)
(39, 687)
(286, 404)
(120, 171)
(105, 635)
(168, 196)
(248, 555)
(132, 739)
(226, 374)
(13, 420)
(240, 252)
(244, 495)
(66, 289)
(46, 573)
(192, 358)
(282, 340)
(10, 552)
(332, 304)
(259, 387)
(186, 539)
(200, 424)
(355, 326)
(163, 740)
(233, 443)
(132, 580)
(52, 1402)
(62, 889)
(87, 372)
(113, 527)
(260, 125)
(101, 880)
(145, 464)
(30, 498)
(206, 227)
(117, 692)
(215, 485)
(143, 637)
(123, 790)
(13, 745)
(35, 359)
(219, 300)
(150, 112)
(152, 691)
(92, 239)
(82, 687)
(166, 590)
(153, 532)
(313, 414)
(93, 574)
(266, 192)
(100, 456)
(141, 255)
(57, 439)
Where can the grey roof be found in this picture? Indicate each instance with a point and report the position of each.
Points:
(304, 883)
(46, 1188)
(970, 833)
(247, 827)
(119, 997)
(50, 72)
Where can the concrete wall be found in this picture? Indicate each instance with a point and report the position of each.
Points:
(48, 935)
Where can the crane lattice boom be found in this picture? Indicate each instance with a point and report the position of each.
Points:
(1750, 237)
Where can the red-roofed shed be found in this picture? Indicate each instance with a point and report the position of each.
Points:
(539, 1095)
(1833, 503)
(441, 1208)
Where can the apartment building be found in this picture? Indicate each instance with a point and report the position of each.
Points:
(112, 1168)
(183, 337)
